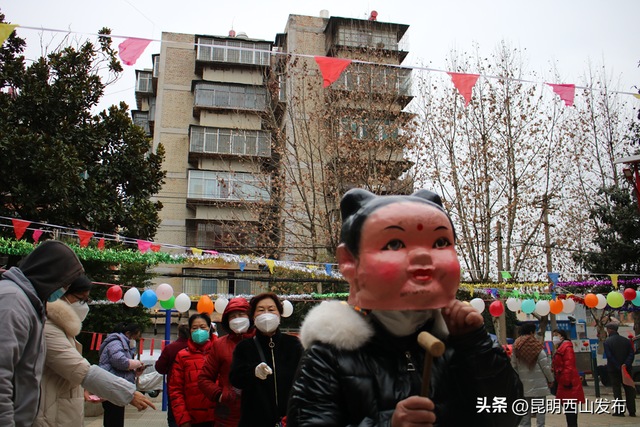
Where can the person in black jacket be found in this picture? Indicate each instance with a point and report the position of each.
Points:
(362, 366)
(619, 351)
(263, 367)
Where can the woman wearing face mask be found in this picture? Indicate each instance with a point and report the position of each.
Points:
(564, 369)
(66, 372)
(117, 354)
(190, 406)
(264, 367)
(214, 378)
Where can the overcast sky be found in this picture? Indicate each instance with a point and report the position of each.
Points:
(568, 33)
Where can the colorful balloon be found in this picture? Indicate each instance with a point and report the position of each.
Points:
(149, 298)
(636, 301)
(287, 308)
(114, 293)
(569, 306)
(615, 299)
(556, 306)
(590, 300)
(164, 291)
(496, 309)
(221, 304)
(514, 304)
(183, 303)
(602, 302)
(543, 307)
(478, 304)
(205, 305)
(630, 294)
(528, 306)
(168, 304)
(132, 297)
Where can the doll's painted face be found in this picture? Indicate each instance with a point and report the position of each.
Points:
(407, 260)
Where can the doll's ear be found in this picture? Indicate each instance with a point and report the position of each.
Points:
(347, 263)
(353, 200)
(428, 195)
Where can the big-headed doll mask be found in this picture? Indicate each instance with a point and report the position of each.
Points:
(397, 252)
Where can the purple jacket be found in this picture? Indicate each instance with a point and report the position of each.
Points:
(115, 355)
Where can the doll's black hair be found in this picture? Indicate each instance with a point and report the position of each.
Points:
(357, 205)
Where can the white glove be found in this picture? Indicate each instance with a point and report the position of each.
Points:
(262, 370)
(134, 364)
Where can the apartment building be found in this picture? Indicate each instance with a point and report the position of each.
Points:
(247, 129)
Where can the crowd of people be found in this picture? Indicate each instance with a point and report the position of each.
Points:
(354, 364)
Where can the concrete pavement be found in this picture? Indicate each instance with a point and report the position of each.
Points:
(151, 418)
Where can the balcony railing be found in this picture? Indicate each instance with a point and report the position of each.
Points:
(230, 141)
(210, 95)
(378, 79)
(144, 83)
(141, 118)
(228, 186)
(234, 51)
(214, 235)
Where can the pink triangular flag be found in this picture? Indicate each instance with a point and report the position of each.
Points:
(19, 227)
(85, 236)
(567, 93)
(101, 244)
(143, 246)
(36, 235)
(131, 49)
(155, 248)
(331, 68)
(464, 83)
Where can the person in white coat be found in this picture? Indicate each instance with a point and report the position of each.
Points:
(68, 378)
(531, 363)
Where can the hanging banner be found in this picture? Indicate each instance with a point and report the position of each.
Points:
(331, 68)
(19, 227)
(131, 49)
(567, 93)
(464, 83)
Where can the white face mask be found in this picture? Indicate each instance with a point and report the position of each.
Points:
(402, 322)
(557, 340)
(267, 322)
(81, 309)
(239, 325)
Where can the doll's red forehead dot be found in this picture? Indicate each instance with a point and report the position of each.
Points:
(419, 227)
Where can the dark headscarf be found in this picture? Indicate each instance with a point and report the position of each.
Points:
(51, 266)
(81, 284)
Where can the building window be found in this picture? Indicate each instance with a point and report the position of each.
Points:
(219, 236)
(360, 128)
(230, 141)
(144, 82)
(200, 286)
(380, 79)
(156, 66)
(228, 186)
(227, 96)
(233, 50)
(141, 118)
(372, 38)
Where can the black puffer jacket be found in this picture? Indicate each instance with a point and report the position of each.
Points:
(357, 378)
(258, 403)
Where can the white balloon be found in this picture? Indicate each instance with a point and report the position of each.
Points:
(183, 303)
(164, 291)
(221, 304)
(478, 304)
(513, 304)
(569, 306)
(602, 302)
(132, 297)
(287, 308)
(543, 307)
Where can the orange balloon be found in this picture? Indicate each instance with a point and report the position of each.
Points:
(556, 306)
(590, 300)
(205, 305)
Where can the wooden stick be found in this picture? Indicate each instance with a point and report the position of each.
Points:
(434, 348)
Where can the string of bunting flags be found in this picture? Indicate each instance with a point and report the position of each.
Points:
(331, 68)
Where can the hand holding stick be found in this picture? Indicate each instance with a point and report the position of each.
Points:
(434, 348)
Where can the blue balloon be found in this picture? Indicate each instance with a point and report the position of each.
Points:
(149, 298)
(636, 301)
(528, 306)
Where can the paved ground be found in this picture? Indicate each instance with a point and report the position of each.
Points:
(151, 418)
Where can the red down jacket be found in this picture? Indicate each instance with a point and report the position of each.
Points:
(189, 404)
(214, 377)
(564, 369)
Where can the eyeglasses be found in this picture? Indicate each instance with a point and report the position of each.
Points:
(82, 301)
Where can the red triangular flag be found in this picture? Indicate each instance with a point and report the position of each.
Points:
(626, 378)
(36, 235)
(331, 68)
(19, 227)
(85, 236)
(93, 341)
(155, 248)
(131, 49)
(143, 245)
(464, 83)
(101, 244)
(567, 93)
